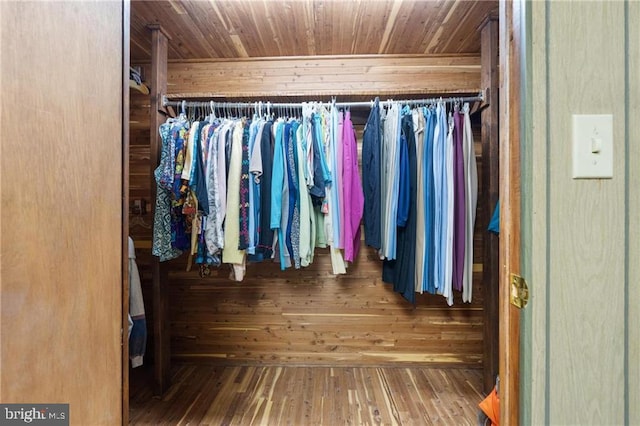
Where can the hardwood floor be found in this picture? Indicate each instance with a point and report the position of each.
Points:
(274, 395)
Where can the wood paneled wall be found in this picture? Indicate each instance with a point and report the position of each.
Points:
(61, 170)
(582, 234)
(306, 316)
(326, 76)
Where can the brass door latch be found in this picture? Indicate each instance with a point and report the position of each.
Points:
(519, 291)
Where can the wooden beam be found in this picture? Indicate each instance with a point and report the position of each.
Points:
(491, 172)
(510, 119)
(161, 340)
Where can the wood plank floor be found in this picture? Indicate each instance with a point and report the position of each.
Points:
(273, 395)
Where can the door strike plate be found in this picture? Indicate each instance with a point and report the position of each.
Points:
(519, 291)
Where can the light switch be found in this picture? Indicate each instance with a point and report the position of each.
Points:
(592, 146)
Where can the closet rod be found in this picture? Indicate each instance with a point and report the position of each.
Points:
(200, 104)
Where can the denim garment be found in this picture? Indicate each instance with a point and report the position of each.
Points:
(320, 171)
(371, 177)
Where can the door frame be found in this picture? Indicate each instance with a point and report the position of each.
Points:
(126, 29)
(511, 21)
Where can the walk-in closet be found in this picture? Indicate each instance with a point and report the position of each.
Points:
(375, 301)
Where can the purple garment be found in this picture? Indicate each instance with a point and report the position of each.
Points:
(353, 193)
(458, 202)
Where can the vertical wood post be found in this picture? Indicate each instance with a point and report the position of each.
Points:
(490, 81)
(160, 277)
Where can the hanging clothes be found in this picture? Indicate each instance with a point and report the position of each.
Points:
(421, 237)
(265, 241)
(138, 330)
(428, 283)
(401, 270)
(168, 231)
(371, 179)
(459, 201)
(471, 192)
(447, 288)
(236, 189)
(353, 193)
(232, 253)
(391, 180)
(307, 224)
(440, 196)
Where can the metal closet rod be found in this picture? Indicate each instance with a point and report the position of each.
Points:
(200, 104)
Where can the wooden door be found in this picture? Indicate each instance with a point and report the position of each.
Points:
(62, 202)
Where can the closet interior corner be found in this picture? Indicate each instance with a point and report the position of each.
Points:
(311, 185)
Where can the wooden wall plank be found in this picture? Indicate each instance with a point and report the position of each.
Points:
(318, 76)
(586, 266)
(300, 316)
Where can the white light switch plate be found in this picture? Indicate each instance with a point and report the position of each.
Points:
(592, 146)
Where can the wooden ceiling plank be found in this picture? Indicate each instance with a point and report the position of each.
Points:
(210, 29)
(254, 28)
(466, 27)
(389, 26)
(471, 41)
(374, 18)
(419, 26)
(432, 46)
(309, 24)
(404, 32)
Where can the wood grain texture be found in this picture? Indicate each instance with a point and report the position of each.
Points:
(162, 350)
(61, 236)
(245, 395)
(633, 155)
(325, 76)
(298, 316)
(209, 317)
(491, 172)
(510, 116)
(235, 29)
(587, 263)
(310, 317)
(126, 14)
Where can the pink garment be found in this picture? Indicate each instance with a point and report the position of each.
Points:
(353, 194)
(340, 178)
